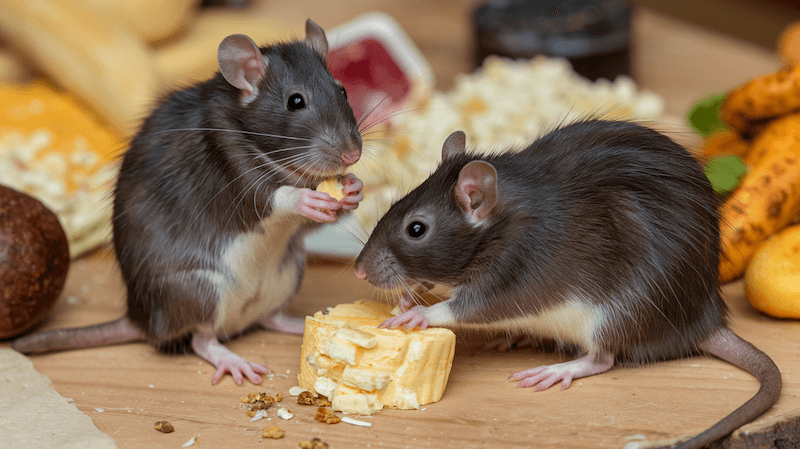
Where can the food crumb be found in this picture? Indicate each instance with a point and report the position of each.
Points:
(164, 427)
(314, 443)
(273, 432)
(295, 391)
(261, 414)
(307, 398)
(259, 401)
(325, 415)
(355, 422)
(284, 413)
(192, 441)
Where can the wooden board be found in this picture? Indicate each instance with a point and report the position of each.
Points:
(135, 386)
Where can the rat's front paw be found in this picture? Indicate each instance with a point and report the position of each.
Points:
(409, 319)
(406, 302)
(318, 206)
(352, 190)
(412, 296)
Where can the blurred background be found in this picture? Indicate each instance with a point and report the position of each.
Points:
(77, 76)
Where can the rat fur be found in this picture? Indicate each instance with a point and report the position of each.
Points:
(602, 235)
(214, 197)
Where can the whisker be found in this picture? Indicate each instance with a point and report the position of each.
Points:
(392, 114)
(387, 96)
(230, 131)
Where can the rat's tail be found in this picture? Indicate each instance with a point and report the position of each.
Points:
(112, 332)
(730, 347)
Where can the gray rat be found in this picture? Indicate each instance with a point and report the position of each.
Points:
(601, 235)
(214, 196)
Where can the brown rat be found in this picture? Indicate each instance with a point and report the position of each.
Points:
(214, 197)
(601, 235)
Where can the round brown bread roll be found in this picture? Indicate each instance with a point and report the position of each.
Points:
(34, 259)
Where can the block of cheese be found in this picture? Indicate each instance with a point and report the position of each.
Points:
(362, 368)
(333, 187)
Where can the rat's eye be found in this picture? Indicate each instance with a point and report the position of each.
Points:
(344, 92)
(296, 102)
(416, 229)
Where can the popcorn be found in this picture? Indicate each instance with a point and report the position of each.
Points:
(505, 105)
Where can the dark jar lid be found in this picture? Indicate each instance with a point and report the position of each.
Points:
(594, 35)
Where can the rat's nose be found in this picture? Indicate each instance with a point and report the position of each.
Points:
(360, 273)
(352, 157)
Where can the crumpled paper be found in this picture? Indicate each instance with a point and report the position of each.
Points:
(33, 414)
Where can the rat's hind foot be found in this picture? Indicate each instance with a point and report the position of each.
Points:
(239, 368)
(546, 376)
(207, 346)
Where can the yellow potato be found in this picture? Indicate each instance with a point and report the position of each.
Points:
(772, 280)
(767, 200)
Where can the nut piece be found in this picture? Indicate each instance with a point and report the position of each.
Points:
(274, 432)
(314, 443)
(164, 427)
(307, 398)
(326, 416)
(259, 401)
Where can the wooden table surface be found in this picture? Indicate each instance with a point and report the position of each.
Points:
(134, 386)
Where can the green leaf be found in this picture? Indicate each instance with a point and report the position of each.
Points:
(725, 172)
(703, 116)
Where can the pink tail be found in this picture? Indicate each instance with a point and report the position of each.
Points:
(112, 332)
(730, 347)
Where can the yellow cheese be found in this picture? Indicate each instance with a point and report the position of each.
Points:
(333, 187)
(362, 368)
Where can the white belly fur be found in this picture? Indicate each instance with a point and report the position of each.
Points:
(253, 282)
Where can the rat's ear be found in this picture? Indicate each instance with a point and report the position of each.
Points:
(315, 38)
(476, 190)
(455, 144)
(242, 65)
